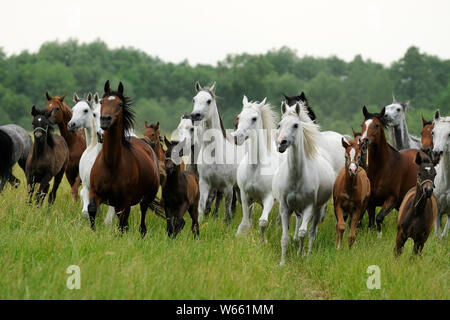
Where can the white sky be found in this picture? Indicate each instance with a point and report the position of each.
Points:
(205, 31)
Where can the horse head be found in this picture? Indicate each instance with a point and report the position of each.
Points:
(82, 112)
(203, 102)
(57, 107)
(42, 124)
(427, 136)
(373, 126)
(395, 113)
(288, 126)
(249, 120)
(354, 150)
(441, 135)
(152, 133)
(173, 154)
(425, 175)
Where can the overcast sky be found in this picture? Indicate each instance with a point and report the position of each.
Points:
(205, 31)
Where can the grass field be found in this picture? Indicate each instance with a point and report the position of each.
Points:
(37, 246)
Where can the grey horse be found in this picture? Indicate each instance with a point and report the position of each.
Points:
(15, 144)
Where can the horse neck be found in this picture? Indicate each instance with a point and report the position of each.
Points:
(296, 158)
(445, 167)
(174, 178)
(39, 148)
(62, 125)
(214, 123)
(159, 150)
(400, 135)
(90, 134)
(420, 201)
(378, 154)
(113, 144)
(258, 148)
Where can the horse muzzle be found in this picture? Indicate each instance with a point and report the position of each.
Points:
(72, 127)
(106, 122)
(197, 116)
(100, 137)
(282, 146)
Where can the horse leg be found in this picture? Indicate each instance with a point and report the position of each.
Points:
(399, 242)
(204, 194)
(264, 219)
(340, 224)
(298, 223)
(43, 190)
(56, 182)
(388, 205)
(219, 196)
(75, 187)
(354, 223)
(85, 199)
(246, 224)
(437, 225)
(236, 197)
(307, 215)
(31, 186)
(110, 215)
(94, 202)
(13, 181)
(123, 218)
(142, 227)
(193, 212)
(317, 217)
(447, 226)
(284, 213)
(211, 195)
(228, 193)
(371, 213)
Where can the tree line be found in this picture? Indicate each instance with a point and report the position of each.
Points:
(163, 91)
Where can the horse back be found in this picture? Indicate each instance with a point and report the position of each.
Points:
(192, 187)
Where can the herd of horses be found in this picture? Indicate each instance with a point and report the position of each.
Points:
(264, 160)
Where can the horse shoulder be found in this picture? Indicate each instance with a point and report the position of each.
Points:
(406, 204)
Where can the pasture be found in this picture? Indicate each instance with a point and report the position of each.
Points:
(37, 245)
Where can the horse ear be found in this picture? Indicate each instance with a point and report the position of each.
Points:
(354, 133)
(244, 100)
(418, 158)
(213, 88)
(107, 89)
(423, 121)
(96, 98)
(167, 142)
(286, 97)
(146, 125)
(344, 143)
(436, 161)
(33, 111)
(382, 112)
(198, 87)
(61, 99)
(283, 107)
(302, 97)
(437, 115)
(89, 97)
(157, 126)
(263, 102)
(75, 98)
(48, 96)
(120, 88)
(365, 112)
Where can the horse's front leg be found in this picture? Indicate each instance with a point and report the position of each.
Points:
(43, 190)
(94, 202)
(371, 213)
(31, 187)
(284, 213)
(307, 215)
(298, 223)
(438, 224)
(204, 194)
(317, 217)
(123, 218)
(387, 207)
(354, 223)
(246, 224)
(228, 193)
(75, 187)
(340, 224)
(447, 226)
(264, 219)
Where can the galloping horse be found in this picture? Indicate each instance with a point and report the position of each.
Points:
(47, 159)
(418, 209)
(125, 172)
(391, 173)
(180, 194)
(219, 156)
(351, 190)
(441, 153)
(15, 144)
(427, 137)
(76, 142)
(151, 135)
(395, 120)
(256, 170)
(304, 180)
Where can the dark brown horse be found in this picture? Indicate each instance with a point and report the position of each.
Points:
(151, 134)
(351, 190)
(418, 209)
(181, 192)
(48, 158)
(125, 172)
(61, 113)
(391, 173)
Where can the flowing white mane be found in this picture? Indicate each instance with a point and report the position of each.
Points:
(269, 119)
(443, 119)
(312, 136)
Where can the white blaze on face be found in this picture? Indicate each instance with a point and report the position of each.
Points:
(112, 98)
(352, 167)
(368, 123)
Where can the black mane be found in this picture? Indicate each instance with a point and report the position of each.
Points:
(127, 114)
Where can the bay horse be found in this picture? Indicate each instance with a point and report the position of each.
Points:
(125, 172)
(181, 192)
(152, 136)
(47, 159)
(61, 115)
(303, 182)
(351, 190)
(418, 209)
(15, 144)
(395, 121)
(391, 173)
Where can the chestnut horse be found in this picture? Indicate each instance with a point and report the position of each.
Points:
(125, 172)
(61, 113)
(181, 192)
(351, 190)
(418, 209)
(391, 173)
(151, 135)
(48, 158)
(427, 137)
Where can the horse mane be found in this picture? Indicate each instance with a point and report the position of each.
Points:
(127, 115)
(312, 137)
(443, 119)
(6, 152)
(269, 120)
(213, 95)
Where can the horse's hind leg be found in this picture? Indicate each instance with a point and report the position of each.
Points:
(371, 214)
(31, 186)
(317, 215)
(447, 226)
(56, 182)
(399, 243)
(387, 207)
(284, 213)
(228, 193)
(264, 219)
(340, 224)
(219, 196)
(193, 212)
(75, 187)
(142, 227)
(123, 219)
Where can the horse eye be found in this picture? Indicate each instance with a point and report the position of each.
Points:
(377, 126)
(95, 115)
(432, 133)
(296, 125)
(278, 127)
(209, 101)
(254, 119)
(192, 129)
(101, 101)
(193, 100)
(86, 111)
(398, 109)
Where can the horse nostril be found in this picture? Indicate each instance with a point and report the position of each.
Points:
(283, 142)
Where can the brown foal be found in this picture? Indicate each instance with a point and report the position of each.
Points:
(151, 134)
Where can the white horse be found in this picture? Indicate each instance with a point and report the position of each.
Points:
(304, 180)
(86, 114)
(395, 119)
(332, 140)
(256, 169)
(218, 156)
(441, 141)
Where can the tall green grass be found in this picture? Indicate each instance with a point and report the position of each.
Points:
(37, 246)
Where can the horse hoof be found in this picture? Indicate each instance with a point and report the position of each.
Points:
(242, 229)
(301, 234)
(263, 223)
(380, 235)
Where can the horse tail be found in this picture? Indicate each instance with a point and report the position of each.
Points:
(6, 157)
(157, 208)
